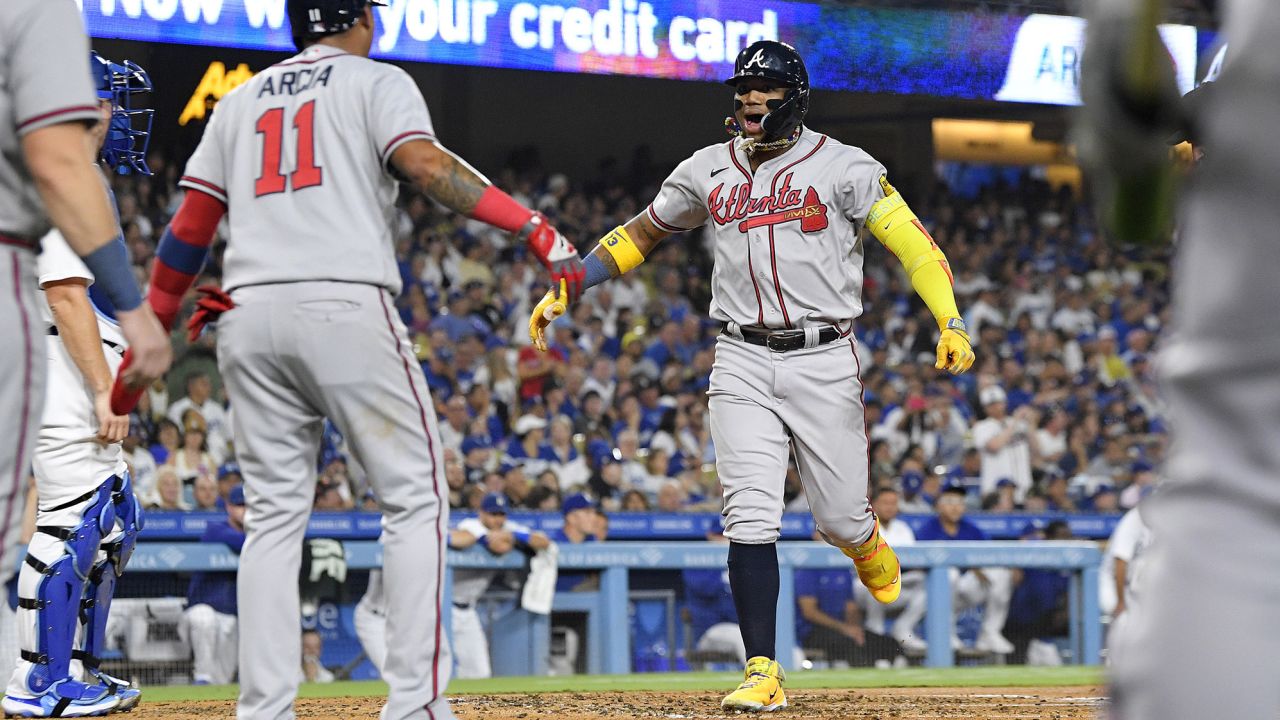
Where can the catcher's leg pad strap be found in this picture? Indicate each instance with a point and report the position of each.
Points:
(59, 561)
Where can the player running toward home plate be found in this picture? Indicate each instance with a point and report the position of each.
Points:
(784, 205)
(304, 161)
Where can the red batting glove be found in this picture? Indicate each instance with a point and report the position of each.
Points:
(556, 254)
(213, 302)
(123, 397)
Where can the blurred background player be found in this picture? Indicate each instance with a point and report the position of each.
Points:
(1127, 552)
(493, 531)
(781, 195)
(829, 620)
(1215, 522)
(209, 623)
(87, 516)
(989, 587)
(47, 180)
(490, 529)
(310, 266)
(885, 503)
(713, 619)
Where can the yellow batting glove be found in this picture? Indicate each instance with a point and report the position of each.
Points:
(955, 353)
(550, 307)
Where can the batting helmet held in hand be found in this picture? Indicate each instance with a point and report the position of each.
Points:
(779, 62)
(311, 19)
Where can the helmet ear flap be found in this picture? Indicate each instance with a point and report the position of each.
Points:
(785, 114)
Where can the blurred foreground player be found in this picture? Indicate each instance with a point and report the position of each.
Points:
(47, 179)
(1207, 644)
(87, 517)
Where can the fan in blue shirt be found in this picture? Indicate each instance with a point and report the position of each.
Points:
(828, 619)
(210, 617)
(988, 587)
(713, 618)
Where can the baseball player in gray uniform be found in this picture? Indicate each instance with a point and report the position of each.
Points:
(1206, 644)
(46, 177)
(304, 159)
(87, 518)
(784, 206)
(491, 530)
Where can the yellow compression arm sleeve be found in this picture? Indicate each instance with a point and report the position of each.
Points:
(618, 243)
(898, 229)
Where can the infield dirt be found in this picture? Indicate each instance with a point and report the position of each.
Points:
(1047, 703)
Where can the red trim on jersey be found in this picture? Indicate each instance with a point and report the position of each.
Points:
(55, 113)
(18, 242)
(663, 224)
(205, 186)
(773, 258)
(405, 137)
(777, 286)
(751, 270)
(862, 401)
(19, 462)
(734, 157)
(750, 267)
(435, 488)
(844, 333)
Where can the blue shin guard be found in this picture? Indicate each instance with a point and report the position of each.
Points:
(58, 585)
(100, 589)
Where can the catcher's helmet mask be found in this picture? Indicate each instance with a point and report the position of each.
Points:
(779, 63)
(312, 19)
(124, 148)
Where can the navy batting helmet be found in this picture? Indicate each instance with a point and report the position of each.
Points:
(312, 19)
(779, 62)
(125, 147)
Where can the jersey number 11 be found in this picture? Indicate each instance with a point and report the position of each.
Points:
(271, 127)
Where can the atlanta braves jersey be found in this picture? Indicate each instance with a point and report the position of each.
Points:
(301, 152)
(787, 251)
(37, 90)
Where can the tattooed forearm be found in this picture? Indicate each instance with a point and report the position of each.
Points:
(645, 234)
(607, 259)
(455, 185)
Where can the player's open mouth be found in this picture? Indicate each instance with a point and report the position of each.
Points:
(751, 122)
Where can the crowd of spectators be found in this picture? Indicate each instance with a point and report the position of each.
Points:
(1060, 412)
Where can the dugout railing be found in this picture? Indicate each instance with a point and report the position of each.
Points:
(523, 638)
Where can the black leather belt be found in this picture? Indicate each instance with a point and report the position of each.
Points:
(53, 330)
(782, 341)
(15, 241)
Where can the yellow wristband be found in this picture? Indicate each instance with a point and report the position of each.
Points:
(624, 251)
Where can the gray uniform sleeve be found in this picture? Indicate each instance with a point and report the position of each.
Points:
(863, 182)
(47, 57)
(678, 206)
(397, 112)
(206, 169)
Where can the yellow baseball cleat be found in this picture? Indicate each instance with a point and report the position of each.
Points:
(761, 690)
(878, 567)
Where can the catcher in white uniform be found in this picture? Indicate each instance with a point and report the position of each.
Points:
(87, 517)
(785, 206)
